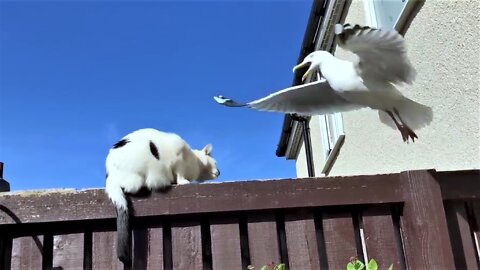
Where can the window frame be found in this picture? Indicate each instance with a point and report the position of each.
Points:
(408, 13)
(332, 135)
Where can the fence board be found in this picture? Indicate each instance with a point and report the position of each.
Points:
(225, 234)
(204, 198)
(27, 253)
(463, 244)
(148, 248)
(301, 241)
(262, 239)
(104, 251)
(187, 246)
(424, 225)
(339, 237)
(451, 190)
(68, 251)
(5, 252)
(379, 236)
(476, 229)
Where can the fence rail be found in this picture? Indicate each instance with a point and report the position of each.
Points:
(414, 219)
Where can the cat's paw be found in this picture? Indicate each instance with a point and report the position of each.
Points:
(182, 181)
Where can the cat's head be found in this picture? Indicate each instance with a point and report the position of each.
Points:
(208, 167)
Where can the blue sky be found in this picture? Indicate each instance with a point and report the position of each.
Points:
(75, 77)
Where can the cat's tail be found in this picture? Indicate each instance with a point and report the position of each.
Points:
(124, 235)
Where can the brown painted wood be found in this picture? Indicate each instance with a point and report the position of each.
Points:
(104, 251)
(379, 237)
(187, 246)
(204, 198)
(452, 190)
(149, 253)
(262, 239)
(301, 241)
(339, 238)
(461, 237)
(476, 226)
(424, 225)
(225, 235)
(5, 252)
(68, 251)
(27, 253)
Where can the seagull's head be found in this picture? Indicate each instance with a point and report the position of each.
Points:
(314, 60)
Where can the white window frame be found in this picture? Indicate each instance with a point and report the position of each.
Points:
(408, 12)
(332, 137)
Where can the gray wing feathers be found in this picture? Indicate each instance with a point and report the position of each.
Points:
(382, 54)
(307, 99)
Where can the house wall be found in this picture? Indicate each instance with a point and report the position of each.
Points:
(442, 44)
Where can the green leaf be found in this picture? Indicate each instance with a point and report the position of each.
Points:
(350, 266)
(391, 267)
(372, 265)
(355, 265)
(263, 267)
(279, 267)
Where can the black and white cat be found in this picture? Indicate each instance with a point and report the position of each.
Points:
(148, 158)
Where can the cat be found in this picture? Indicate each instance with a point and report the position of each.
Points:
(152, 159)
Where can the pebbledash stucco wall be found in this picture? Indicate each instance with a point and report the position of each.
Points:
(443, 46)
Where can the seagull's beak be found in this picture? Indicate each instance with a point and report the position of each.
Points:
(304, 77)
(304, 63)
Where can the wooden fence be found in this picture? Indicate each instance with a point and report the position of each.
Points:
(414, 219)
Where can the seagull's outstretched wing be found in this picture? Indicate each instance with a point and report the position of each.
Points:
(307, 99)
(382, 54)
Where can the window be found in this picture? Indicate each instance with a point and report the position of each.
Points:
(384, 13)
(332, 130)
(332, 135)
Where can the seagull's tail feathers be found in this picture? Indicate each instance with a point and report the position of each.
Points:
(413, 114)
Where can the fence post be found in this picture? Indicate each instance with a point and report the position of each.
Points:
(4, 185)
(424, 224)
(5, 241)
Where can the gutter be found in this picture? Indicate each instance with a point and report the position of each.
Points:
(308, 45)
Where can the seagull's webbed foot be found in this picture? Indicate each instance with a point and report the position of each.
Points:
(407, 133)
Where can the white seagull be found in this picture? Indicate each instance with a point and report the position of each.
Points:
(369, 81)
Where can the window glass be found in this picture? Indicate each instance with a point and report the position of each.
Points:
(387, 12)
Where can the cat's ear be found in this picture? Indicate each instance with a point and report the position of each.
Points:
(208, 149)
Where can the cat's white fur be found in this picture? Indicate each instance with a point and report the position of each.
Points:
(132, 166)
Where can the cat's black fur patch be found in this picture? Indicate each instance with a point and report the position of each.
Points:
(120, 143)
(154, 150)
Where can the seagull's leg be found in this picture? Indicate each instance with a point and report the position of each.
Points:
(406, 128)
(399, 126)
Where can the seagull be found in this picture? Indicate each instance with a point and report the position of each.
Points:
(368, 81)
